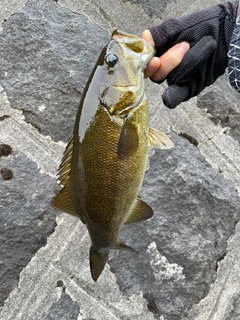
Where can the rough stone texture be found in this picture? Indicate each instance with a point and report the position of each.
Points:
(222, 103)
(195, 211)
(65, 258)
(152, 7)
(64, 309)
(47, 55)
(235, 313)
(220, 303)
(26, 218)
(114, 15)
(8, 8)
(185, 267)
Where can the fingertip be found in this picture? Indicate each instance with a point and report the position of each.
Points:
(170, 60)
(147, 36)
(154, 64)
(184, 46)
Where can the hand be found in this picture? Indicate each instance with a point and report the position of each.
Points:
(209, 32)
(159, 68)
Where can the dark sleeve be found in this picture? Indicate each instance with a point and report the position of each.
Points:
(234, 55)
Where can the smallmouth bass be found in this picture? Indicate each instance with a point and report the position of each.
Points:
(105, 160)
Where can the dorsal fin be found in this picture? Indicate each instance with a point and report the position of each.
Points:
(140, 212)
(62, 201)
(158, 139)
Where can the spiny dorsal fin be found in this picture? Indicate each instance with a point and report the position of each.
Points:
(62, 201)
(158, 139)
(128, 140)
(67, 156)
(140, 212)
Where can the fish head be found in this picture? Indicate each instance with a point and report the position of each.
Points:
(126, 56)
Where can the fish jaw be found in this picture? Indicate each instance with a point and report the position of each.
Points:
(133, 44)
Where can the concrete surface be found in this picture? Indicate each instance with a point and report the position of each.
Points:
(188, 263)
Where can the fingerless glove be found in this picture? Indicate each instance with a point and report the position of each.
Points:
(209, 32)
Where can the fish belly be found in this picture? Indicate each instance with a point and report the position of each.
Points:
(108, 187)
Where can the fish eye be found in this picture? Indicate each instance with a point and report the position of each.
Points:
(111, 59)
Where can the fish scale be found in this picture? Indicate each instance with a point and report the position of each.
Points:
(105, 160)
(106, 169)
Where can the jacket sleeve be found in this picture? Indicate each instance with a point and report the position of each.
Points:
(234, 55)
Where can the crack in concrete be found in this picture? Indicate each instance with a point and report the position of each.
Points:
(103, 13)
(2, 118)
(188, 137)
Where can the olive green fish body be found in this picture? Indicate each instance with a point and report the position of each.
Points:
(108, 187)
(104, 163)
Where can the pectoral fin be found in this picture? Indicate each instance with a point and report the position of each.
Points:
(128, 140)
(140, 212)
(158, 139)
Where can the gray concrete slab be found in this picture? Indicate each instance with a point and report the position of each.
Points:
(10, 7)
(188, 262)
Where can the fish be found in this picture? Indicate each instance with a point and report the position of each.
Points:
(105, 160)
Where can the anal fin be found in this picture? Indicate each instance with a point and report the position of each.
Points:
(140, 212)
(63, 203)
(123, 246)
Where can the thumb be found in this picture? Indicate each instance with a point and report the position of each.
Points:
(175, 94)
(193, 61)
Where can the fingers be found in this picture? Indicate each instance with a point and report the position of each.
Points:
(152, 67)
(174, 95)
(159, 68)
(193, 60)
(155, 62)
(170, 60)
(146, 35)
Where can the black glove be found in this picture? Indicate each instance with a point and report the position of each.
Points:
(209, 32)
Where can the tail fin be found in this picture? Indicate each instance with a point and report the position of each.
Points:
(98, 258)
(97, 261)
